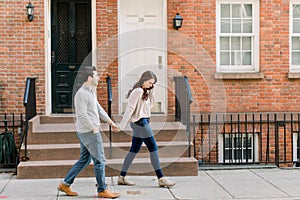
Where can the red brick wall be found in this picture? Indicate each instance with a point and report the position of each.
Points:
(22, 54)
(107, 46)
(275, 92)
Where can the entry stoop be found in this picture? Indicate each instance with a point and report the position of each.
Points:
(53, 147)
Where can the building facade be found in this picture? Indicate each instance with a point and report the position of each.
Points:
(239, 56)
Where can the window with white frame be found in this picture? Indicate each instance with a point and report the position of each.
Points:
(295, 36)
(238, 148)
(237, 36)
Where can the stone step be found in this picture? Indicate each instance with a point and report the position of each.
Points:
(70, 118)
(140, 166)
(53, 147)
(39, 152)
(66, 133)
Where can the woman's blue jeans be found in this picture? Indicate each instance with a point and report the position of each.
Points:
(91, 148)
(142, 134)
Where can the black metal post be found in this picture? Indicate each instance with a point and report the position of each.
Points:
(109, 102)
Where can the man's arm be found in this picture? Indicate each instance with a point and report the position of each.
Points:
(104, 116)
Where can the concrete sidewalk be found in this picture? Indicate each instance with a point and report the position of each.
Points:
(209, 184)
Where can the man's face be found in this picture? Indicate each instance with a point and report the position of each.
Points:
(95, 78)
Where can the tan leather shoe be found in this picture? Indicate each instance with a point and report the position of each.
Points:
(66, 189)
(108, 194)
(123, 181)
(164, 182)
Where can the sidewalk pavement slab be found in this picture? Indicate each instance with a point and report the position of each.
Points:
(237, 184)
(199, 187)
(286, 180)
(241, 184)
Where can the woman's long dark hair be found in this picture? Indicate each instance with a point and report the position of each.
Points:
(147, 75)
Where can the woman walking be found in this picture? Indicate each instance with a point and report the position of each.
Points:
(138, 112)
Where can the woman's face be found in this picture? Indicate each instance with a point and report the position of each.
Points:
(148, 84)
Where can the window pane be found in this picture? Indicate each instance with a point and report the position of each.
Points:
(238, 154)
(225, 26)
(236, 11)
(296, 58)
(296, 11)
(224, 43)
(247, 141)
(295, 43)
(246, 58)
(228, 155)
(238, 141)
(224, 58)
(247, 26)
(227, 142)
(235, 58)
(235, 43)
(296, 25)
(236, 26)
(225, 10)
(247, 154)
(247, 11)
(246, 43)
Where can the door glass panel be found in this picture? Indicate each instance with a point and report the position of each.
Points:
(63, 23)
(82, 33)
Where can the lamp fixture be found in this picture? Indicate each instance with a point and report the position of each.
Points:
(30, 9)
(177, 21)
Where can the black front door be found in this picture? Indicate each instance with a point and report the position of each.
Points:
(70, 48)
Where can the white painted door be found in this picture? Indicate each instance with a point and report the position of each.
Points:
(142, 47)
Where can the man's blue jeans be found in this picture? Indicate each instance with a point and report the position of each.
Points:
(91, 148)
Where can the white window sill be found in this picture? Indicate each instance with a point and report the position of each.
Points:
(258, 75)
(294, 75)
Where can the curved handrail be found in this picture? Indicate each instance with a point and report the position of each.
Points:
(29, 101)
(183, 99)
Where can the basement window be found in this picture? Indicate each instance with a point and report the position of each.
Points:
(238, 148)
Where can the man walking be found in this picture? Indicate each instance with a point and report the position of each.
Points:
(88, 113)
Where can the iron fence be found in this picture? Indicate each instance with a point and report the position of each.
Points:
(12, 129)
(247, 138)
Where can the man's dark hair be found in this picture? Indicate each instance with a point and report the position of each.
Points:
(86, 72)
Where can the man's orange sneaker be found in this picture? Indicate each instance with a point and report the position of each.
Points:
(108, 194)
(66, 189)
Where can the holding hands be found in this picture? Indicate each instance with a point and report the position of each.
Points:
(114, 127)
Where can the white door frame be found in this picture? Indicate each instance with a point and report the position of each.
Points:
(164, 16)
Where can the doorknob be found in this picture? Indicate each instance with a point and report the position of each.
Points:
(52, 60)
(159, 62)
(72, 34)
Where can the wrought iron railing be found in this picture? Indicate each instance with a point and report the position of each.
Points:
(248, 138)
(12, 126)
(29, 101)
(183, 99)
